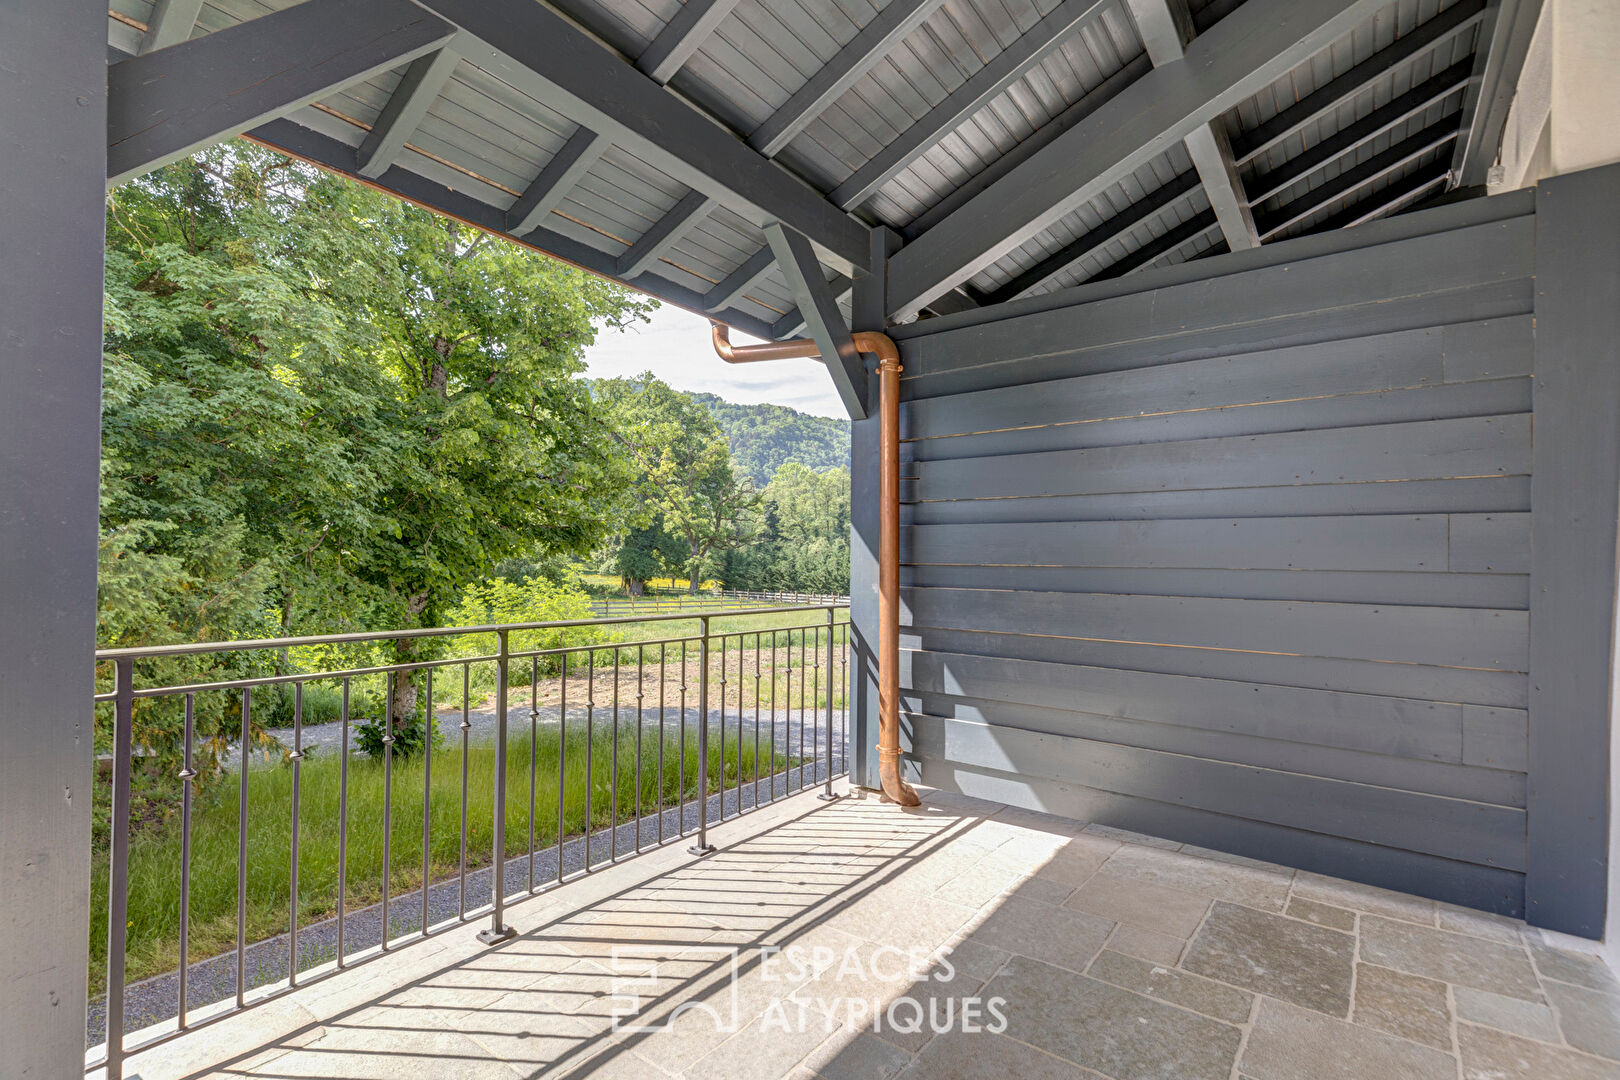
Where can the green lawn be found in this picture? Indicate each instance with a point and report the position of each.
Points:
(155, 857)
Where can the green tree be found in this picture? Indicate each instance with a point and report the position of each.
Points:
(803, 535)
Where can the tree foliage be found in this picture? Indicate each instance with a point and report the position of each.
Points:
(802, 540)
(763, 438)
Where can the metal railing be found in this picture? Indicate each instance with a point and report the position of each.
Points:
(662, 602)
(793, 742)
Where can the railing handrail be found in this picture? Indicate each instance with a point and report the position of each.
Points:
(140, 652)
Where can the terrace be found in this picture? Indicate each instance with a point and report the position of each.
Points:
(1235, 391)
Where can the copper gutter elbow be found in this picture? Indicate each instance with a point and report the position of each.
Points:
(882, 346)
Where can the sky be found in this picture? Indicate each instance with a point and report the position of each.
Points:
(675, 346)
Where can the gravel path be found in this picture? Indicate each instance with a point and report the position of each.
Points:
(214, 979)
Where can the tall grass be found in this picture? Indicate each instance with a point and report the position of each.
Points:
(155, 853)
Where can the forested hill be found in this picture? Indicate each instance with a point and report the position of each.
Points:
(765, 437)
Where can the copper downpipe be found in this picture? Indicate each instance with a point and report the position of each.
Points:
(895, 789)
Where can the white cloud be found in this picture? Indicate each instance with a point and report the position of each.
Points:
(675, 346)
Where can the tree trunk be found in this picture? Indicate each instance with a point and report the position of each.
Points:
(402, 702)
(635, 587)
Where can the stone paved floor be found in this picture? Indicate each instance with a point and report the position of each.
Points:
(831, 940)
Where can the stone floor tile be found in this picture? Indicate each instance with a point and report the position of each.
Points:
(1589, 1019)
(1045, 890)
(1077, 860)
(1264, 889)
(964, 805)
(959, 1055)
(1449, 957)
(922, 921)
(1146, 945)
(1290, 1043)
(370, 1051)
(1276, 956)
(763, 1048)
(938, 1008)
(1571, 967)
(1334, 918)
(978, 886)
(1034, 819)
(1367, 898)
(1236, 860)
(1515, 1016)
(1126, 836)
(1102, 1027)
(1177, 987)
(974, 959)
(1492, 1055)
(1059, 935)
(1406, 1005)
(1141, 904)
(1478, 923)
(864, 1057)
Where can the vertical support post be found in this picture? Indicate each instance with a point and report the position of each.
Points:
(703, 847)
(118, 876)
(53, 80)
(869, 307)
(1575, 499)
(827, 793)
(498, 931)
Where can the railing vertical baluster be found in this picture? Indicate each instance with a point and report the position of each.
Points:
(534, 754)
(562, 766)
(466, 728)
(680, 761)
(787, 715)
(827, 793)
(773, 716)
(662, 778)
(241, 850)
(758, 671)
(343, 821)
(297, 759)
(188, 773)
(613, 770)
(427, 800)
(702, 846)
(118, 873)
(802, 637)
(590, 729)
(641, 663)
(389, 680)
(497, 929)
(722, 727)
(844, 697)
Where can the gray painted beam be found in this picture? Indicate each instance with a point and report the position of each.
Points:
(682, 36)
(984, 86)
(1354, 179)
(1572, 572)
(547, 57)
(792, 324)
(1422, 39)
(330, 154)
(1166, 27)
(167, 104)
(821, 315)
(1498, 61)
(407, 105)
(171, 23)
(1241, 54)
(566, 168)
(1427, 94)
(664, 234)
(892, 25)
(53, 71)
(740, 280)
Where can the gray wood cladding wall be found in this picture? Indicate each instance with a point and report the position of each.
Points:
(1242, 559)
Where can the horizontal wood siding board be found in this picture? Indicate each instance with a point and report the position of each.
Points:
(1450, 828)
(1449, 880)
(1482, 782)
(1464, 495)
(1441, 589)
(1505, 689)
(1383, 725)
(1444, 637)
(1490, 349)
(1372, 542)
(1452, 262)
(1501, 300)
(1495, 397)
(1425, 450)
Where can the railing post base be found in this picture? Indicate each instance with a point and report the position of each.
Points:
(492, 936)
(701, 850)
(829, 796)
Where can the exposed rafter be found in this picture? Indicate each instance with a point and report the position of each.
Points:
(407, 105)
(171, 23)
(1159, 246)
(875, 40)
(982, 87)
(740, 280)
(1402, 193)
(1354, 179)
(1422, 39)
(1421, 97)
(664, 234)
(1166, 27)
(1237, 57)
(328, 153)
(166, 104)
(547, 57)
(566, 168)
(1497, 64)
(821, 315)
(682, 36)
